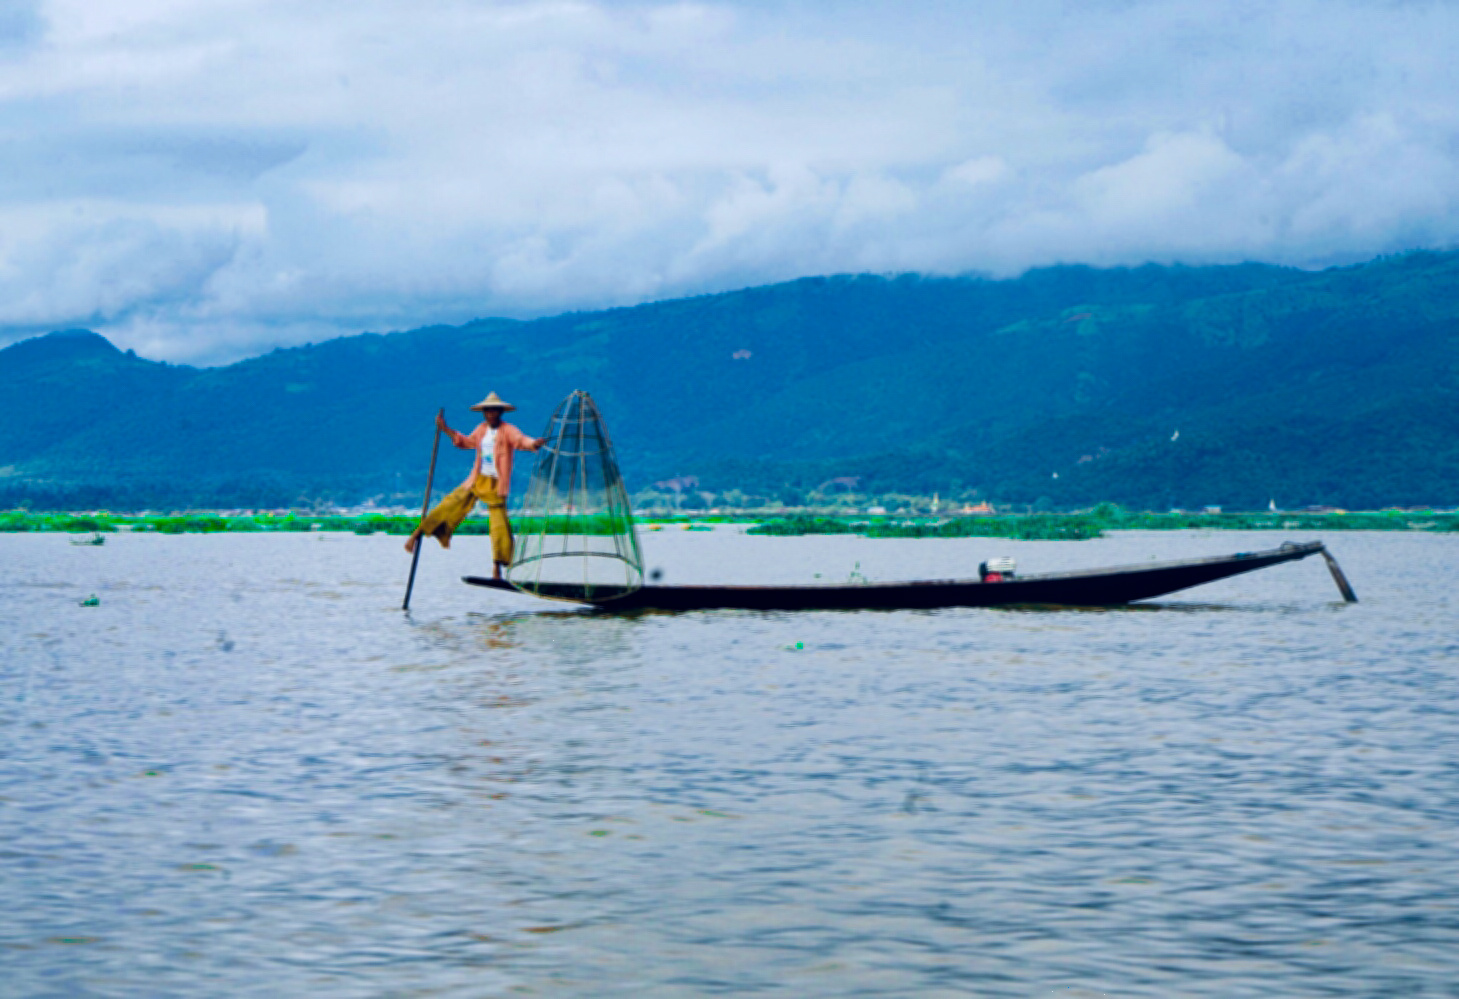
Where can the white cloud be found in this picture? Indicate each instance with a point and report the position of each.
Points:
(205, 178)
(978, 171)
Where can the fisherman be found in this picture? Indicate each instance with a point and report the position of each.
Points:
(490, 480)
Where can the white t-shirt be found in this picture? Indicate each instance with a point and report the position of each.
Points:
(488, 451)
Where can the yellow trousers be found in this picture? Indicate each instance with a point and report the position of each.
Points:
(447, 515)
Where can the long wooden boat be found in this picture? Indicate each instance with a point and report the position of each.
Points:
(1091, 588)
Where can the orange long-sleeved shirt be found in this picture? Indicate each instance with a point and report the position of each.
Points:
(508, 441)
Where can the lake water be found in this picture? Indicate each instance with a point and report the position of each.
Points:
(247, 773)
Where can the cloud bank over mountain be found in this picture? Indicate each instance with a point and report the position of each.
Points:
(204, 179)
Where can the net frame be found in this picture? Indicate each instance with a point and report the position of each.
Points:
(579, 509)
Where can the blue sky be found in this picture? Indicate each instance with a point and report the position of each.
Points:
(206, 179)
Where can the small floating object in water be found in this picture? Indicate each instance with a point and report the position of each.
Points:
(95, 539)
(91, 601)
(698, 527)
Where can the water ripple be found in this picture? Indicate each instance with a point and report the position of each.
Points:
(246, 773)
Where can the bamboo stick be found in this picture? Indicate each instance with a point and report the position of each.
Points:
(425, 508)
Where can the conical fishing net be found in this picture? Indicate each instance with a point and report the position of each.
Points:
(575, 533)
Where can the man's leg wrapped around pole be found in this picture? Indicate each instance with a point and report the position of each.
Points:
(447, 515)
(496, 513)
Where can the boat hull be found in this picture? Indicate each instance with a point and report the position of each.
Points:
(1094, 588)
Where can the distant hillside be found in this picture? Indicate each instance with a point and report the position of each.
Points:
(1152, 387)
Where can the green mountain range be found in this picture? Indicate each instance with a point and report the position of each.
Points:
(1152, 387)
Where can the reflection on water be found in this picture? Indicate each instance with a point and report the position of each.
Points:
(245, 772)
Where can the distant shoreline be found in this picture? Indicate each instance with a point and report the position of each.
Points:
(779, 523)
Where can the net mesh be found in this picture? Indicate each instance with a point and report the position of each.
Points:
(575, 533)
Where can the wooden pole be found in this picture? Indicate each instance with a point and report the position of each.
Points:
(425, 508)
(1344, 587)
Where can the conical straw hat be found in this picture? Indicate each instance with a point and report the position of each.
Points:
(494, 401)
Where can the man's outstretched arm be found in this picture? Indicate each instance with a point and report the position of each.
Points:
(467, 442)
(522, 442)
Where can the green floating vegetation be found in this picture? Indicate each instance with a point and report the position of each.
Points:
(1033, 527)
(1112, 517)
(20, 521)
(1024, 527)
(1107, 517)
(23, 521)
(598, 525)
